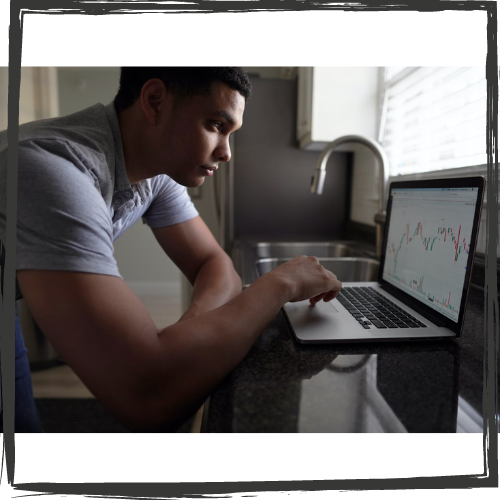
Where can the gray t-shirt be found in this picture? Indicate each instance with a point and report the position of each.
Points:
(74, 197)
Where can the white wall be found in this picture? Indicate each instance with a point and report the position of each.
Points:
(38, 94)
(80, 88)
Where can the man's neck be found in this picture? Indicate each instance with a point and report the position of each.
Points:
(135, 150)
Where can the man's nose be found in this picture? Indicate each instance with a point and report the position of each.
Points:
(223, 152)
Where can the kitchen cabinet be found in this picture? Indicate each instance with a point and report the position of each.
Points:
(336, 101)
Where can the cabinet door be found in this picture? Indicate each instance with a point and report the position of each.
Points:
(345, 101)
(336, 101)
(304, 104)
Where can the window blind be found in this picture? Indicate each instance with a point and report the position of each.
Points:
(433, 118)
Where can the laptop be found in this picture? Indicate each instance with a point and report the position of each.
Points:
(425, 269)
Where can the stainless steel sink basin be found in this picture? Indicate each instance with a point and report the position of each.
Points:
(346, 269)
(294, 249)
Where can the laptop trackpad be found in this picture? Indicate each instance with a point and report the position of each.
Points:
(323, 308)
(320, 323)
(302, 313)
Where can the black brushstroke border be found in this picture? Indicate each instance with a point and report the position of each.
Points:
(489, 478)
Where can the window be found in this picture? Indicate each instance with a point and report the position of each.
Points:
(433, 118)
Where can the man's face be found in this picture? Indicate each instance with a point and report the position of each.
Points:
(195, 134)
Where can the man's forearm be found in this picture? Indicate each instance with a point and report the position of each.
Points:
(216, 284)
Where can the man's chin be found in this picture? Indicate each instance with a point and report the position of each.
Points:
(193, 183)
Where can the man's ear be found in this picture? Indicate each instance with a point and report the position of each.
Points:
(153, 96)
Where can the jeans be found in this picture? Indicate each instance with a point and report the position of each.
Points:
(26, 413)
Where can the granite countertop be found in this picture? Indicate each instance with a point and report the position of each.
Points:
(284, 386)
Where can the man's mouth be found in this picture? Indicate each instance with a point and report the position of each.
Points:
(209, 170)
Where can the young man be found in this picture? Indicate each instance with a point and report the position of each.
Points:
(83, 180)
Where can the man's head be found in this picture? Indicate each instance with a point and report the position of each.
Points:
(183, 81)
(177, 121)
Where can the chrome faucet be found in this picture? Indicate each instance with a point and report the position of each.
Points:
(318, 180)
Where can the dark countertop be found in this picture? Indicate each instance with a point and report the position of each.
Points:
(284, 386)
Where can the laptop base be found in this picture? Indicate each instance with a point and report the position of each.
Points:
(330, 322)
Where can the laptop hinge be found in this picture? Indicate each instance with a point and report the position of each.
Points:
(427, 315)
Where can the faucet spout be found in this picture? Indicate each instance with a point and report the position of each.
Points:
(318, 180)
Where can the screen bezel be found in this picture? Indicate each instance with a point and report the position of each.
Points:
(477, 182)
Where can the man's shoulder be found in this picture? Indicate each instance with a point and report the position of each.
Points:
(84, 127)
(88, 128)
(84, 139)
(162, 184)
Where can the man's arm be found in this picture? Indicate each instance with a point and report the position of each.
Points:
(150, 379)
(194, 250)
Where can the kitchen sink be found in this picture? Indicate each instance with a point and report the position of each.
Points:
(294, 249)
(346, 268)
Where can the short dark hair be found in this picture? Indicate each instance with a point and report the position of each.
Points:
(183, 81)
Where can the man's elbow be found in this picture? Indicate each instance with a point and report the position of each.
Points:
(223, 263)
(235, 277)
(156, 414)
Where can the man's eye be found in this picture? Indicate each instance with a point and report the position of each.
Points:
(218, 125)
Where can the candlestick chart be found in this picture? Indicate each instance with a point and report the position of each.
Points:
(427, 250)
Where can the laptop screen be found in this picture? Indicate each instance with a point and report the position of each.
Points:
(427, 244)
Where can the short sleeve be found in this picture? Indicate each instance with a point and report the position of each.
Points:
(171, 203)
(63, 223)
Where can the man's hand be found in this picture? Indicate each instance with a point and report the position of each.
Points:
(308, 279)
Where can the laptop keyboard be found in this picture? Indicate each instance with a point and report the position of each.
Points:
(372, 310)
